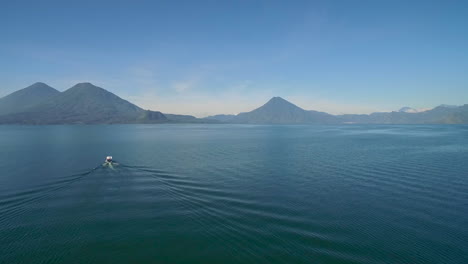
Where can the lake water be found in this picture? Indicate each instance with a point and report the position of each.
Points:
(234, 194)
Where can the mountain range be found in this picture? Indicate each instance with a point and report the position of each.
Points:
(279, 111)
(85, 103)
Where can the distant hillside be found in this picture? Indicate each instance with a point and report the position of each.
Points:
(84, 103)
(445, 114)
(439, 115)
(220, 118)
(461, 116)
(279, 111)
(28, 97)
(173, 118)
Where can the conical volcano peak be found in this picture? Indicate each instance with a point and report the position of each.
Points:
(88, 88)
(38, 84)
(278, 103)
(277, 99)
(36, 89)
(27, 97)
(280, 111)
(85, 85)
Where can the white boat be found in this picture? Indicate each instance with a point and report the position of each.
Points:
(109, 159)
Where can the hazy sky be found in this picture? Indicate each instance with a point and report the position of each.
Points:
(206, 57)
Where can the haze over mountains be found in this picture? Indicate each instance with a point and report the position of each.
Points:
(85, 103)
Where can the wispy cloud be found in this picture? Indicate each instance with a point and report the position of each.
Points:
(191, 81)
(183, 86)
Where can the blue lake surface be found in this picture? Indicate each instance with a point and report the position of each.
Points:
(234, 194)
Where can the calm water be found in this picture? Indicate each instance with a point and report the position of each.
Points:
(234, 194)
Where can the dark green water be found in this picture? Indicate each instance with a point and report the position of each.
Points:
(234, 194)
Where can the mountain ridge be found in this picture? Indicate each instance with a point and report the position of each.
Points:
(442, 114)
(85, 103)
(25, 98)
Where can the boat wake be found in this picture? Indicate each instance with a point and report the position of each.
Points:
(11, 205)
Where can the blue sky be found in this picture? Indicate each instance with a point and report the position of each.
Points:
(208, 57)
